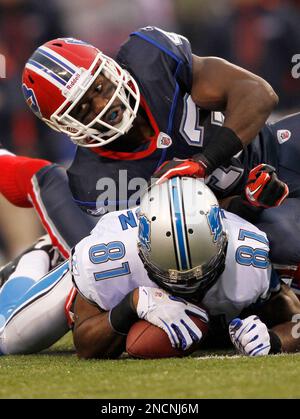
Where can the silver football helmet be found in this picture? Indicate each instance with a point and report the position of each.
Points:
(182, 240)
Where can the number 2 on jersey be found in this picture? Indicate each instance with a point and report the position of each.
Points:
(101, 253)
(190, 127)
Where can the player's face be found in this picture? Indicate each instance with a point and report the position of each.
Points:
(94, 101)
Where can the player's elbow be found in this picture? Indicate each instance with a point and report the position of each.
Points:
(267, 99)
(89, 348)
(84, 345)
(270, 99)
(85, 352)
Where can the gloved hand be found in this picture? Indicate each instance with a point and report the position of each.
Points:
(170, 314)
(250, 336)
(263, 188)
(178, 167)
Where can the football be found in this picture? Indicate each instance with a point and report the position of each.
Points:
(145, 340)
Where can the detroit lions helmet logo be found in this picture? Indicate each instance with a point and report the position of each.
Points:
(144, 232)
(31, 100)
(214, 222)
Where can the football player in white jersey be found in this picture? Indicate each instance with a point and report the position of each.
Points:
(137, 263)
(187, 246)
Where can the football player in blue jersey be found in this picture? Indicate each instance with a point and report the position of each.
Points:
(156, 108)
(156, 262)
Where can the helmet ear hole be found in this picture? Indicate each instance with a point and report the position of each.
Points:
(56, 44)
(31, 79)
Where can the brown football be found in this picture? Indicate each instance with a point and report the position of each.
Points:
(145, 340)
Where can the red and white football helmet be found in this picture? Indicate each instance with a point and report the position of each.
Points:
(60, 72)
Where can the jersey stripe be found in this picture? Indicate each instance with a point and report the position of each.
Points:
(39, 289)
(56, 237)
(157, 44)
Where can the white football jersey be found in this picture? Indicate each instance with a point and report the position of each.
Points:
(106, 265)
(247, 274)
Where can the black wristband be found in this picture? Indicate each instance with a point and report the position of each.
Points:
(220, 149)
(123, 315)
(275, 342)
(241, 207)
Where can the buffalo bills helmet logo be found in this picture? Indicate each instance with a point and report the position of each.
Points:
(214, 222)
(144, 232)
(31, 100)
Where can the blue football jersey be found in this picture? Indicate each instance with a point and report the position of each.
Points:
(161, 63)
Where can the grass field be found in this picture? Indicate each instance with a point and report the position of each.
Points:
(58, 373)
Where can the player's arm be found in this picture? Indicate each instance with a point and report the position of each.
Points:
(272, 329)
(246, 99)
(92, 333)
(278, 314)
(101, 334)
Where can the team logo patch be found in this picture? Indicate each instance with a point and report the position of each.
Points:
(214, 222)
(163, 140)
(31, 100)
(144, 232)
(283, 135)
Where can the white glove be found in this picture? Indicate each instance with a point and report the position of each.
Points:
(250, 336)
(170, 314)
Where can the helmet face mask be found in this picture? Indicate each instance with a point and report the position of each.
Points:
(182, 244)
(43, 76)
(63, 117)
(192, 283)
